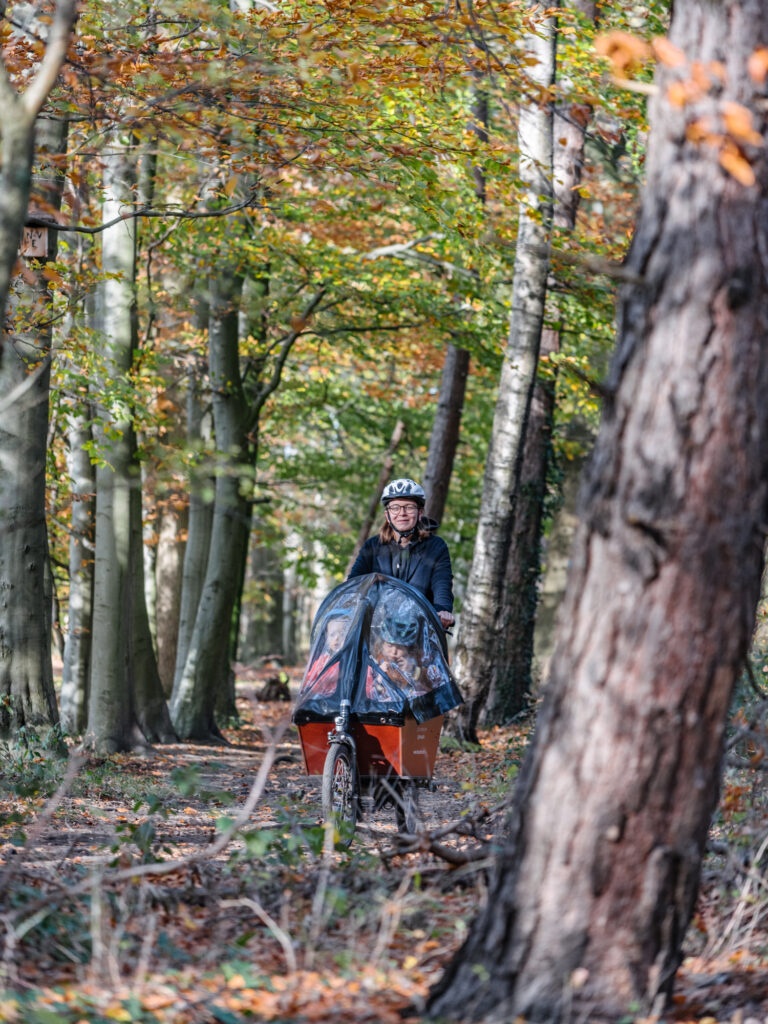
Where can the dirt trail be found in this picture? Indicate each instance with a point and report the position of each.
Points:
(88, 828)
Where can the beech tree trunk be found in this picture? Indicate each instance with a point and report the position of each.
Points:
(479, 623)
(592, 895)
(17, 125)
(206, 666)
(126, 705)
(26, 674)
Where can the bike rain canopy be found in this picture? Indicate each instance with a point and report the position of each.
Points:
(378, 643)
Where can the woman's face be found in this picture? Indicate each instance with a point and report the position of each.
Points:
(403, 514)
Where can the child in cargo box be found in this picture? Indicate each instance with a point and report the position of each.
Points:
(322, 674)
(395, 652)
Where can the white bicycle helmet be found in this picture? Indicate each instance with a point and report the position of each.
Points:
(405, 489)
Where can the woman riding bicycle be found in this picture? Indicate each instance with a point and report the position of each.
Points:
(407, 548)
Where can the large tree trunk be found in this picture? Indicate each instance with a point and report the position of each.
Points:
(126, 704)
(478, 630)
(593, 893)
(17, 125)
(26, 674)
(205, 670)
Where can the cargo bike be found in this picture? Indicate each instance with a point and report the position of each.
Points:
(370, 707)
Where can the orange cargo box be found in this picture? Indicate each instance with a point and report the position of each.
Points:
(407, 750)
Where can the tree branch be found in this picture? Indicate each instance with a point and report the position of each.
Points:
(285, 349)
(36, 94)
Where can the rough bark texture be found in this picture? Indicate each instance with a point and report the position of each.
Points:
(478, 630)
(613, 806)
(26, 675)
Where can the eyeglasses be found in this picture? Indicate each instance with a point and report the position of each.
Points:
(402, 510)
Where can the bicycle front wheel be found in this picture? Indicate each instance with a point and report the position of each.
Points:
(339, 792)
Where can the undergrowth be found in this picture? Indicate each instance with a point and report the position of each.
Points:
(278, 924)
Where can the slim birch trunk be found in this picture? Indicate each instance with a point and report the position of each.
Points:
(479, 623)
(512, 675)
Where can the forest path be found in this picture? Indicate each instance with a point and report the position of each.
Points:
(169, 801)
(174, 937)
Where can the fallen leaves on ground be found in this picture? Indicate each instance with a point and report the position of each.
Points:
(273, 928)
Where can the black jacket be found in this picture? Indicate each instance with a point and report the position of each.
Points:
(426, 565)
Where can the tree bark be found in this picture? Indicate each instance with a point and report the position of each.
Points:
(593, 892)
(199, 425)
(446, 428)
(17, 125)
(512, 671)
(195, 694)
(126, 705)
(26, 674)
(173, 525)
(479, 624)
(77, 645)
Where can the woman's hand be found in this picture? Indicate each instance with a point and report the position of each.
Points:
(446, 618)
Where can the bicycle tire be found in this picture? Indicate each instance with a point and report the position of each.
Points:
(339, 790)
(408, 814)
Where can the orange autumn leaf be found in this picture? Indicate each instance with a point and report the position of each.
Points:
(622, 49)
(739, 124)
(717, 71)
(680, 94)
(700, 131)
(667, 53)
(757, 65)
(704, 75)
(732, 161)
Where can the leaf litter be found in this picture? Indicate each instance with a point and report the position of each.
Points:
(140, 896)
